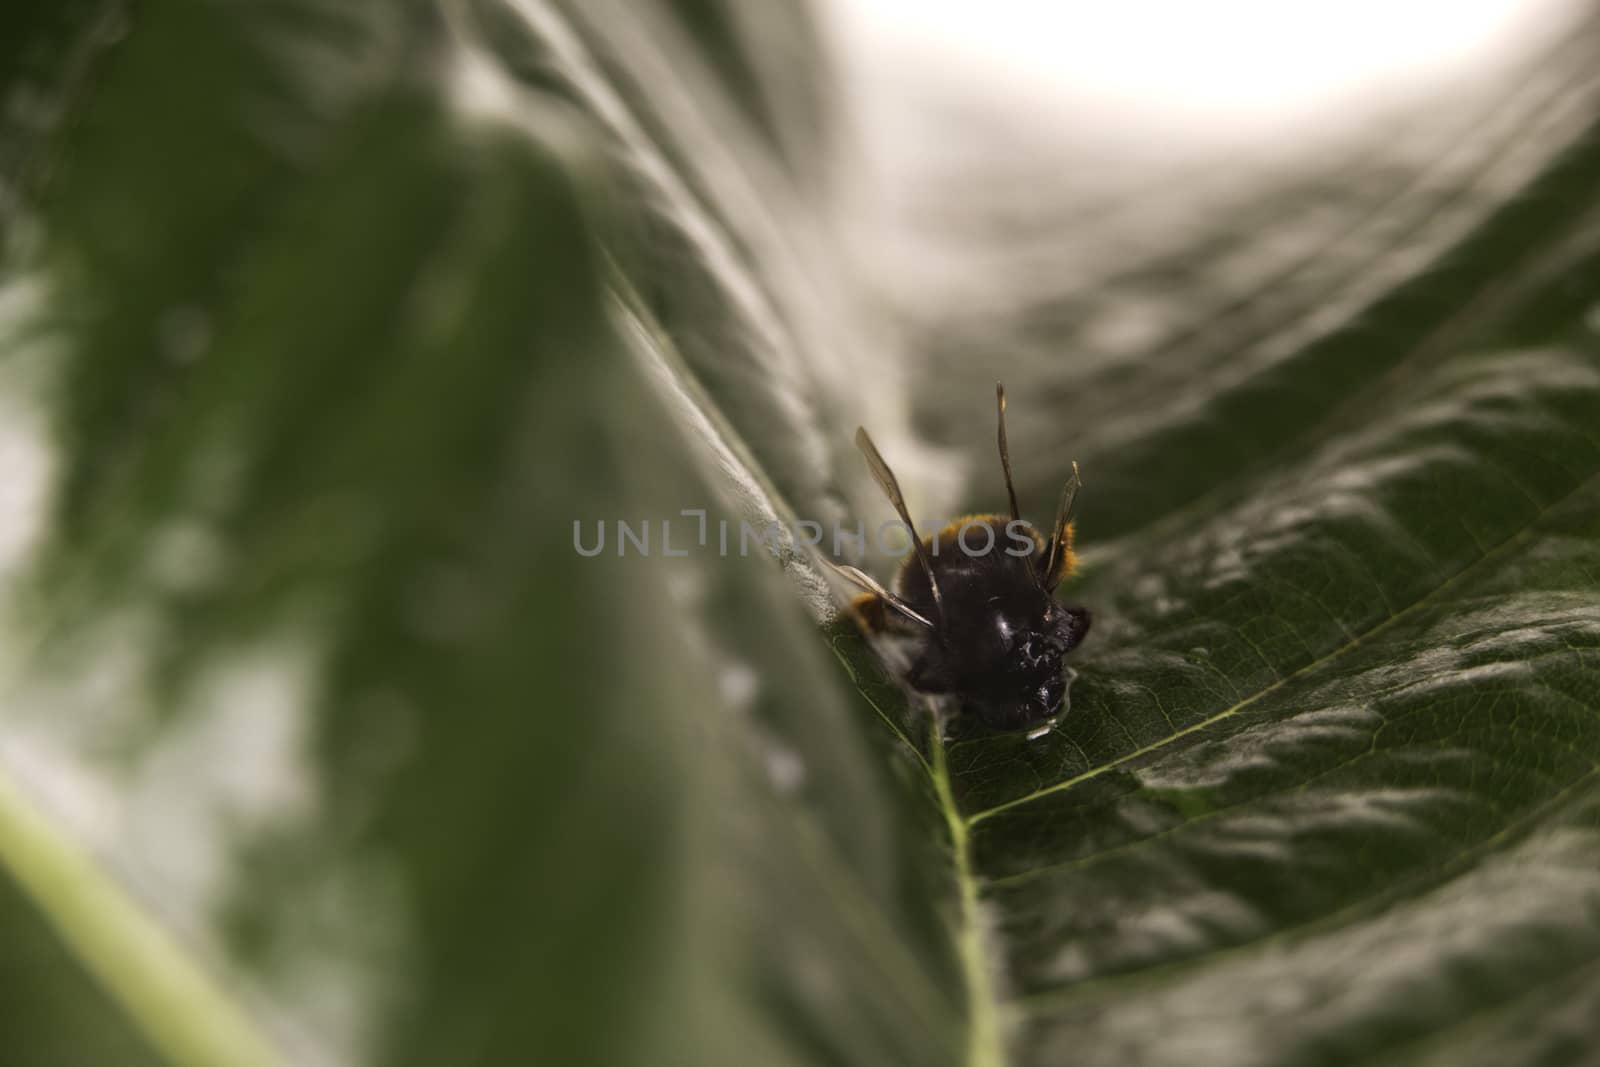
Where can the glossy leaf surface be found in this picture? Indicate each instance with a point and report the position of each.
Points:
(325, 743)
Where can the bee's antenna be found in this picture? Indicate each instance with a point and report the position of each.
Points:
(1005, 453)
(1069, 496)
(891, 488)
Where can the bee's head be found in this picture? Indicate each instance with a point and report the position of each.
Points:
(1032, 687)
(1043, 697)
(1026, 699)
(1057, 630)
(1068, 626)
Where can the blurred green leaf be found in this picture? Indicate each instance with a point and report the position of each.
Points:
(59, 1014)
(316, 353)
(407, 779)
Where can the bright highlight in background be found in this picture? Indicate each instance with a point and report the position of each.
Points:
(1221, 61)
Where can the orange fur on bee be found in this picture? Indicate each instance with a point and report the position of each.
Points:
(1068, 566)
(946, 539)
(869, 612)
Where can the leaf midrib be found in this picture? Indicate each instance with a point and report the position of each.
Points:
(984, 1046)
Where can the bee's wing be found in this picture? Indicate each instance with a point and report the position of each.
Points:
(891, 489)
(871, 585)
(1059, 562)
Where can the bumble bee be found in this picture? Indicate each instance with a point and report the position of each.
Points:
(984, 624)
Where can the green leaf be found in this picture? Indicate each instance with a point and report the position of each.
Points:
(367, 763)
(322, 744)
(1329, 779)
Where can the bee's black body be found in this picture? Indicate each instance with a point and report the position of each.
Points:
(1003, 635)
(980, 610)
